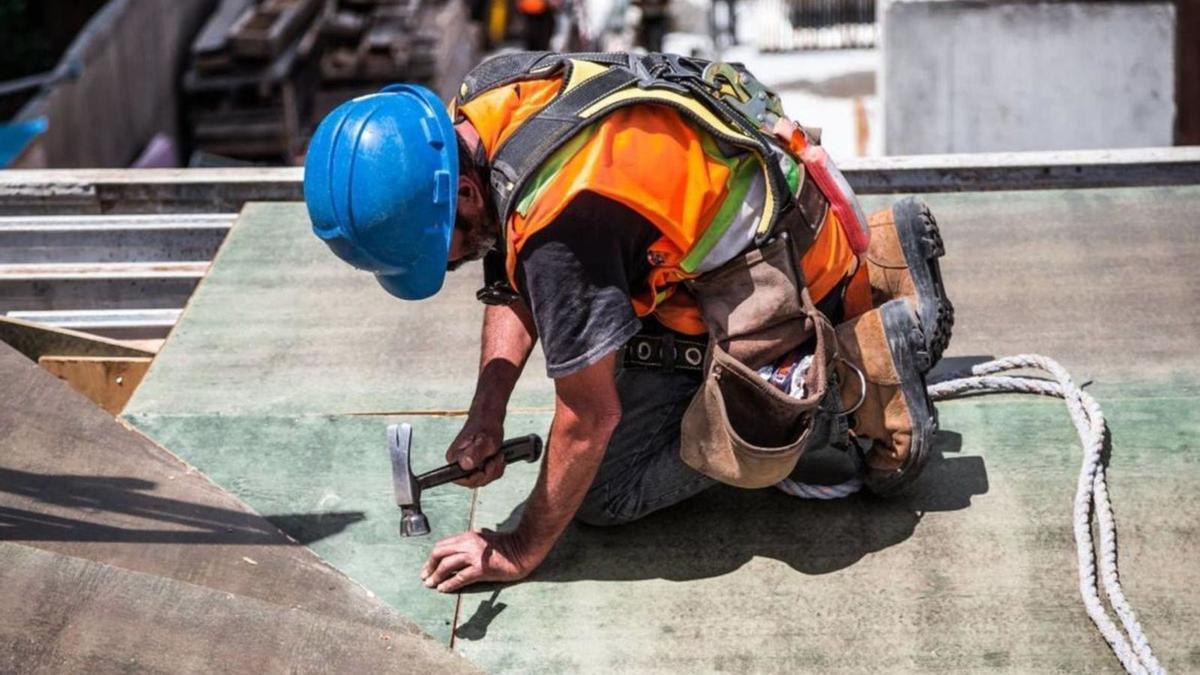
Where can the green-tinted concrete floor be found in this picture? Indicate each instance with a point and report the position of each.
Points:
(287, 366)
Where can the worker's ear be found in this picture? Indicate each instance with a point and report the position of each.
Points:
(470, 194)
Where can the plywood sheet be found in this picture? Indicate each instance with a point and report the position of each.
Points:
(80, 485)
(336, 470)
(264, 381)
(1105, 281)
(974, 570)
(65, 614)
(281, 326)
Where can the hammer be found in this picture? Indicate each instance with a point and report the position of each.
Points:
(408, 486)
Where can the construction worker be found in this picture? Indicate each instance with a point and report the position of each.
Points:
(603, 189)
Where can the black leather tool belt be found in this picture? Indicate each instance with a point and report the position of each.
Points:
(666, 352)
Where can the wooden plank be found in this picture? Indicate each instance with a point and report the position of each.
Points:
(108, 381)
(35, 340)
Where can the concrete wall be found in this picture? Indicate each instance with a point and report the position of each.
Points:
(131, 52)
(974, 76)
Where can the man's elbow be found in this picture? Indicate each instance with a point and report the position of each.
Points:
(589, 419)
(598, 419)
(587, 401)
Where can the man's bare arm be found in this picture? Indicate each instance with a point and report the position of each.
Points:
(505, 344)
(507, 339)
(586, 412)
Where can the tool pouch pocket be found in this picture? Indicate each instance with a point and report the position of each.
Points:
(752, 304)
(739, 429)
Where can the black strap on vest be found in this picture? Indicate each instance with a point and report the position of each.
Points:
(516, 160)
(505, 69)
(805, 216)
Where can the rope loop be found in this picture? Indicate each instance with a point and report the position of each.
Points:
(1127, 641)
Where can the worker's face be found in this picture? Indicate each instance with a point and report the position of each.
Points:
(473, 232)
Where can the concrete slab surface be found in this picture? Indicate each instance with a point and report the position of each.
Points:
(279, 381)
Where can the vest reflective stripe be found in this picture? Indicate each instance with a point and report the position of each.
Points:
(537, 186)
(582, 71)
(722, 242)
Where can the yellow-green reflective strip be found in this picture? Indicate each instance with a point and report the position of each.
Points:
(550, 168)
(742, 169)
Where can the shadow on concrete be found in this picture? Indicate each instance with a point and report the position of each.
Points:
(721, 529)
(119, 509)
(476, 627)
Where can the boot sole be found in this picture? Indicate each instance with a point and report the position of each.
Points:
(905, 342)
(921, 241)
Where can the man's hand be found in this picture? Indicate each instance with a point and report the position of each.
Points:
(478, 445)
(473, 557)
(586, 411)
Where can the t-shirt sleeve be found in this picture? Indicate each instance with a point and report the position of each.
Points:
(576, 274)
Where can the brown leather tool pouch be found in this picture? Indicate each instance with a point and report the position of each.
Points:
(753, 305)
(739, 429)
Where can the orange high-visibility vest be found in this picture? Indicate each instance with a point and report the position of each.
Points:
(651, 159)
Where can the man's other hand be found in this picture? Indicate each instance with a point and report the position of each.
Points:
(473, 557)
(478, 445)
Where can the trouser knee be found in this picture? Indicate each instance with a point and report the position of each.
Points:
(604, 513)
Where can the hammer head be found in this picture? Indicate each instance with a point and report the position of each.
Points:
(404, 482)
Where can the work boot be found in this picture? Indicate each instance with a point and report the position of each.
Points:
(881, 371)
(902, 262)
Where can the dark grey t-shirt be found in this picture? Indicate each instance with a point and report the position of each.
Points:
(576, 274)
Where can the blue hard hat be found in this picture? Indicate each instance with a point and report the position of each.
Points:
(381, 182)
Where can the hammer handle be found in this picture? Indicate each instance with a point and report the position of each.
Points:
(527, 448)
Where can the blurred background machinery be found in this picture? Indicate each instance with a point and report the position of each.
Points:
(166, 83)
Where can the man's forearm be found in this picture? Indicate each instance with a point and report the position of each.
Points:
(508, 338)
(579, 435)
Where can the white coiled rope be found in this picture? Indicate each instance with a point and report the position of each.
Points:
(813, 491)
(1091, 494)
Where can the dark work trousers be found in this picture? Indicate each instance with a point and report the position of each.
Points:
(641, 471)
